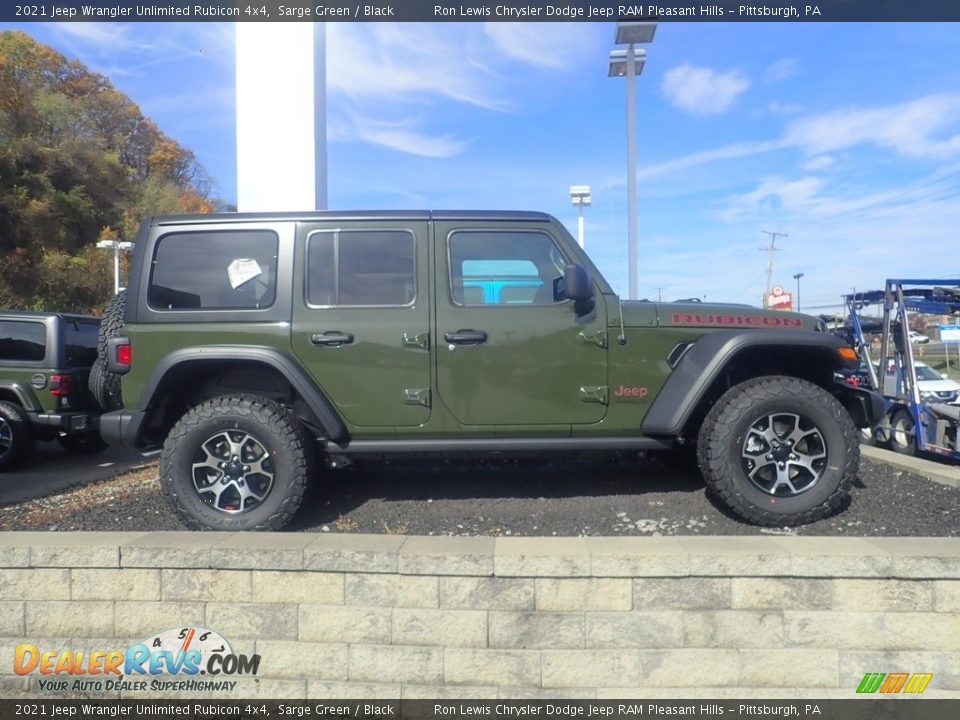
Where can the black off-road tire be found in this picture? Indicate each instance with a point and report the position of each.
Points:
(724, 430)
(274, 427)
(88, 443)
(112, 322)
(903, 438)
(105, 386)
(17, 438)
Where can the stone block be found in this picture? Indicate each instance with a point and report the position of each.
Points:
(483, 593)
(583, 594)
(536, 630)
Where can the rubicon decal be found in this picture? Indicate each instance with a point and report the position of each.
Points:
(186, 650)
(711, 320)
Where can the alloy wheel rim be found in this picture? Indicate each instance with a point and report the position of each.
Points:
(783, 454)
(233, 472)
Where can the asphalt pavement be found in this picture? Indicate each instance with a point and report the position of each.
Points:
(565, 497)
(52, 469)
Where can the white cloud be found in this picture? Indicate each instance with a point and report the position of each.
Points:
(703, 91)
(778, 108)
(548, 45)
(401, 136)
(408, 62)
(778, 195)
(109, 37)
(781, 70)
(725, 152)
(820, 162)
(908, 128)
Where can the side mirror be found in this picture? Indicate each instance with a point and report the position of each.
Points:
(576, 283)
(944, 376)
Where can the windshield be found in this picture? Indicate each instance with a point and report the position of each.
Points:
(924, 372)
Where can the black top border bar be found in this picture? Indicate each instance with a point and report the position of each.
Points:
(479, 10)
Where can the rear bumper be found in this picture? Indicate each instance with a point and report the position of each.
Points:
(69, 422)
(121, 427)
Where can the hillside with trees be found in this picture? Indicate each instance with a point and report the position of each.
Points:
(78, 162)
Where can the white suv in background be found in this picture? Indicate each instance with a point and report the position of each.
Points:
(934, 387)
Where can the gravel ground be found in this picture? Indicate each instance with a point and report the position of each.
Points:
(500, 498)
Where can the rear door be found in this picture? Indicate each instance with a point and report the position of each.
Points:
(361, 318)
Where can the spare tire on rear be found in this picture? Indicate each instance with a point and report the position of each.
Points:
(105, 386)
(112, 322)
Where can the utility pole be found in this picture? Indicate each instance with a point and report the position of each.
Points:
(770, 251)
(659, 294)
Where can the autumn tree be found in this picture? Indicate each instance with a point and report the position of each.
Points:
(77, 157)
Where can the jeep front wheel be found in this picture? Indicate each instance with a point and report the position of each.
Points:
(779, 451)
(237, 462)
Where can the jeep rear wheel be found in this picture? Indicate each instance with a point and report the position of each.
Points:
(16, 436)
(779, 451)
(237, 462)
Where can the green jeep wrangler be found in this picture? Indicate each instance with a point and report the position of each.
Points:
(45, 361)
(252, 345)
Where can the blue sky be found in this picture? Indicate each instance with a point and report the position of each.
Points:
(844, 136)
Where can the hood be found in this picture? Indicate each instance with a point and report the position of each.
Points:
(938, 385)
(714, 315)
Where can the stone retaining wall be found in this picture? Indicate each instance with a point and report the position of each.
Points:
(367, 616)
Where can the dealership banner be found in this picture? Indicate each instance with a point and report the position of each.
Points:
(503, 10)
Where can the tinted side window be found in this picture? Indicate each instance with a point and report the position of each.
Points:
(361, 267)
(225, 270)
(22, 340)
(503, 268)
(80, 337)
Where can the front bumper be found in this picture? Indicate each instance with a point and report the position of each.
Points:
(866, 407)
(121, 427)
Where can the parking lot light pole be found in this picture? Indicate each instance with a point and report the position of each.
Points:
(797, 278)
(580, 197)
(117, 246)
(629, 63)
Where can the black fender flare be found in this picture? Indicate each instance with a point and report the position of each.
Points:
(703, 362)
(24, 394)
(281, 362)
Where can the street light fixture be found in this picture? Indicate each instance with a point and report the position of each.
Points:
(580, 197)
(116, 246)
(797, 278)
(629, 63)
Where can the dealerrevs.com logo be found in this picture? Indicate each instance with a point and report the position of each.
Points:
(183, 653)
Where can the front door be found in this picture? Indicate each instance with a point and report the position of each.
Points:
(508, 351)
(362, 326)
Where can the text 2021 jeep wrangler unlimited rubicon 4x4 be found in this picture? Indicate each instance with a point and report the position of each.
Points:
(45, 360)
(249, 344)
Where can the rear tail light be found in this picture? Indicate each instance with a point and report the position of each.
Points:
(61, 384)
(125, 354)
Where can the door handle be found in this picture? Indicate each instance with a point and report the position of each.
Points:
(334, 338)
(465, 337)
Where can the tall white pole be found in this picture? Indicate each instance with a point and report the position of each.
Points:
(116, 267)
(580, 225)
(632, 172)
